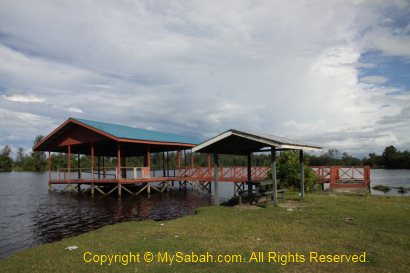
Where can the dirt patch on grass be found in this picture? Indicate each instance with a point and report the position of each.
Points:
(247, 207)
(290, 204)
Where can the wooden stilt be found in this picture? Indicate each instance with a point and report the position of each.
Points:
(92, 189)
(100, 191)
(119, 189)
(149, 189)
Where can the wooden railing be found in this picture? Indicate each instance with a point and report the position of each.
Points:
(64, 174)
(332, 174)
(233, 174)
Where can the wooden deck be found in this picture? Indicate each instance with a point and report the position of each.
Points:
(135, 180)
(135, 175)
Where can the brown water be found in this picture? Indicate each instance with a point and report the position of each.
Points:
(30, 215)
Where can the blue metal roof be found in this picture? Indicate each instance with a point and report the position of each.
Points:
(121, 131)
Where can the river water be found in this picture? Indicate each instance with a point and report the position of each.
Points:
(30, 215)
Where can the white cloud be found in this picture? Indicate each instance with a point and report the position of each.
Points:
(288, 68)
(73, 109)
(374, 79)
(23, 98)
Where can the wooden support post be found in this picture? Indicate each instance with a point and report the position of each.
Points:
(148, 158)
(302, 175)
(124, 170)
(78, 166)
(274, 181)
(119, 189)
(49, 170)
(69, 166)
(192, 160)
(179, 162)
(249, 171)
(92, 189)
(92, 160)
(209, 164)
(149, 189)
(167, 164)
(163, 164)
(99, 167)
(103, 163)
(118, 161)
(216, 179)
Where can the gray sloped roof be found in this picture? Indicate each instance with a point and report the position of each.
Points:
(243, 142)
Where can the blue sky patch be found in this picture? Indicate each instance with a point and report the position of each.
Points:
(395, 69)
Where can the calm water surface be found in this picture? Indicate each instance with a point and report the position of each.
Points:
(30, 215)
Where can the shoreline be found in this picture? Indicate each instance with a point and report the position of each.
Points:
(326, 224)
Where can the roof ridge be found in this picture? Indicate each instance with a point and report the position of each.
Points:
(119, 130)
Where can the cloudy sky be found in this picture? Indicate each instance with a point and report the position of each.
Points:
(331, 73)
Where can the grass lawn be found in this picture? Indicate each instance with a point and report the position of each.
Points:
(324, 223)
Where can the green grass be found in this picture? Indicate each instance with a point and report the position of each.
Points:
(328, 224)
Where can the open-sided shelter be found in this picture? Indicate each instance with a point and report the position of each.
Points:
(245, 143)
(86, 137)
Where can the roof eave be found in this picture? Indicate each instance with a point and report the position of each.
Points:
(256, 138)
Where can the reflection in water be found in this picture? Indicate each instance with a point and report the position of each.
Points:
(391, 178)
(30, 215)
